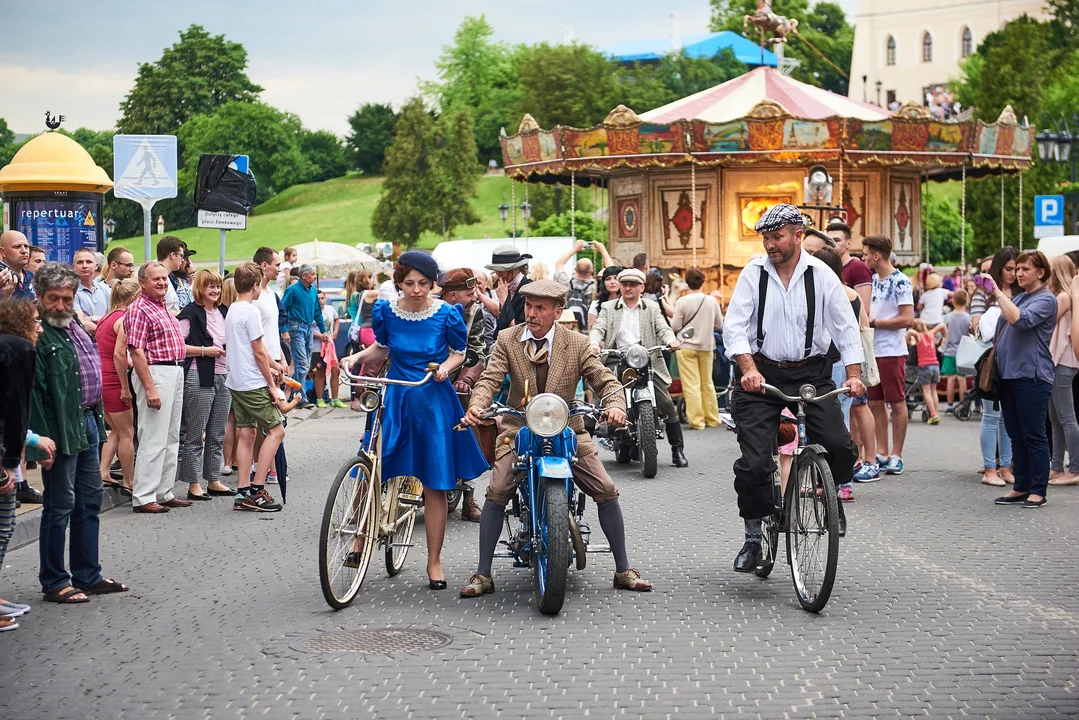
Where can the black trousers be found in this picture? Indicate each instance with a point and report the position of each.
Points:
(757, 416)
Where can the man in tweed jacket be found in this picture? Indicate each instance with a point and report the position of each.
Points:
(518, 352)
(632, 320)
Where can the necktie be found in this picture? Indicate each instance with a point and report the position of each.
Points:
(536, 350)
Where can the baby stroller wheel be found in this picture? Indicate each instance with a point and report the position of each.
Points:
(925, 416)
(962, 412)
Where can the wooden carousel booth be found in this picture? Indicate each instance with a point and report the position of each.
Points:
(687, 182)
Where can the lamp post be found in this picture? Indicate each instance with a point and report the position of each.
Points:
(526, 212)
(865, 88)
(503, 210)
(110, 228)
(1056, 146)
(878, 84)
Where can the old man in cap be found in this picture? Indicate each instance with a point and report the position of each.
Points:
(786, 312)
(510, 264)
(544, 357)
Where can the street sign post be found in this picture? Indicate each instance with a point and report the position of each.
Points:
(144, 170)
(225, 221)
(1048, 215)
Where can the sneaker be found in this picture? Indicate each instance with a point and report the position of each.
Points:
(895, 465)
(338, 404)
(846, 493)
(271, 478)
(28, 495)
(228, 470)
(240, 503)
(935, 420)
(320, 404)
(869, 472)
(6, 625)
(949, 411)
(6, 605)
(881, 460)
(262, 501)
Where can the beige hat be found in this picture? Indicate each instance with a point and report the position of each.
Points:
(631, 275)
(508, 257)
(550, 289)
(568, 316)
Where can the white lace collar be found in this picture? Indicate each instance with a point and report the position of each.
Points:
(423, 315)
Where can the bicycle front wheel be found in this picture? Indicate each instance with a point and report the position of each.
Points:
(349, 533)
(404, 496)
(812, 531)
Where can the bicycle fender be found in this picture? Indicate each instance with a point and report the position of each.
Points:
(553, 467)
(819, 449)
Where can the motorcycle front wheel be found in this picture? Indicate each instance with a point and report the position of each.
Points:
(646, 438)
(552, 542)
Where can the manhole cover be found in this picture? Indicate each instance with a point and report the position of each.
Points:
(385, 641)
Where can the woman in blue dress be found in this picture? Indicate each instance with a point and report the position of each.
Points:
(418, 438)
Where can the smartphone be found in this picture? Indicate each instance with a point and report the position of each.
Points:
(3, 267)
(588, 245)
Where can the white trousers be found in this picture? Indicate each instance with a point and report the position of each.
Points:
(159, 435)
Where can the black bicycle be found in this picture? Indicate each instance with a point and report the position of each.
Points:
(807, 511)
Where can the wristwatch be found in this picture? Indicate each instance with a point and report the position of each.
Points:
(873, 324)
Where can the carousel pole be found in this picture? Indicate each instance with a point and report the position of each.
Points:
(693, 192)
(1002, 209)
(1020, 211)
(963, 221)
(573, 205)
(513, 205)
(925, 215)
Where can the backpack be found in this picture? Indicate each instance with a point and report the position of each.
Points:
(581, 294)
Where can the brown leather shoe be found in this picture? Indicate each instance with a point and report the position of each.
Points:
(177, 503)
(631, 580)
(150, 507)
(471, 512)
(478, 585)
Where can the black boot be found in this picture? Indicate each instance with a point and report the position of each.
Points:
(674, 436)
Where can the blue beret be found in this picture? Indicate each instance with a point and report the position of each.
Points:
(421, 262)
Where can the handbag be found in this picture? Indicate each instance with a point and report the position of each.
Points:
(970, 351)
(870, 371)
(986, 376)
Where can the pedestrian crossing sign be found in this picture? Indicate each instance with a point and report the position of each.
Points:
(144, 167)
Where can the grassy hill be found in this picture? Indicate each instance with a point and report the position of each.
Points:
(337, 210)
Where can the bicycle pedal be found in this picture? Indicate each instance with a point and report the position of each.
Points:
(402, 544)
(409, 499)
(598, 548)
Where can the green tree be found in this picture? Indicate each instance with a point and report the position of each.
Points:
(269, 137)
(685, 76)
(824, 27)
(455, 170)
(564, 85)
(7, 137)
(193, 77)
(585, 227)
(324, 151)
(548, 200)
(372, 132)
(477, 73)
(407, 206)
(945, 231)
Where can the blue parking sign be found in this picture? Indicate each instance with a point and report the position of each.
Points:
(1048, 215)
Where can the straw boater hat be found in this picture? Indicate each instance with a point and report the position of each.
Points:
(507, 257)
(458, 279)
(550, 289)
(631, 275)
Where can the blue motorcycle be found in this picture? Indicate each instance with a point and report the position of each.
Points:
(544, 523)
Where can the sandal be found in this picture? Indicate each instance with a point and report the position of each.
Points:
(105, 586)
(70, 597)
(110, 483)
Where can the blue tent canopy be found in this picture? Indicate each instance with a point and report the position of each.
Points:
(694, 46)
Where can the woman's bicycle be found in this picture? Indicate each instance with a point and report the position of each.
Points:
(364, 511)
(807, 512)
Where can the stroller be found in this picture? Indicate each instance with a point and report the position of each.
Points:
(913, 392)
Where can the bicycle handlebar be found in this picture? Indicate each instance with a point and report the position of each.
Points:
(780, 394)
(432, 368)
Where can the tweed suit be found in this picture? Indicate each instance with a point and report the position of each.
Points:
(571, 359)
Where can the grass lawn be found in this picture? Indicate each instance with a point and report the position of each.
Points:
(337, 210)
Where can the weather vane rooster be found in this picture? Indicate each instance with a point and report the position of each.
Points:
(53, 123)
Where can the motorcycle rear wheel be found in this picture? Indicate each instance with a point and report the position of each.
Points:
(646, 438)
(552, 543)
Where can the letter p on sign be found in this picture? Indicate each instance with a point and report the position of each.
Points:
(1048, 215)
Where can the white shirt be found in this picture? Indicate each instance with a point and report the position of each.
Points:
(329, 316)
(271, 333)
(933, 306)
(243, 325)
(629, 332)
(889, 294)
(172, 300)
(548, 338)
(387, 291)
(786, 314)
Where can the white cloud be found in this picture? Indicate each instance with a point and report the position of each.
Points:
(89, 97)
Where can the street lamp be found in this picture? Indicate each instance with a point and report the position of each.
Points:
(526, 209)
(503, 210)
(865, 88)
(1047, 145)
(878, 84)
(110, 228)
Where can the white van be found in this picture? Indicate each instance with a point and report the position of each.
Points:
(1053, 246)
(476, 254)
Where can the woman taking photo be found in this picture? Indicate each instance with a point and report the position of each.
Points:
(115, 388)
(609, 289)
(995, 443)
(206, 399)
(1025, 368)
(418, 439)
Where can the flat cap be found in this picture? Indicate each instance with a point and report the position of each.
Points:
(631, 275)
(457, 279)
(550, 289)
(777, 216)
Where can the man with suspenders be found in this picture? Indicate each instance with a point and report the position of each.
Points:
(786, 310)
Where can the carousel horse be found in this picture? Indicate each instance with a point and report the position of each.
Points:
(766, 20)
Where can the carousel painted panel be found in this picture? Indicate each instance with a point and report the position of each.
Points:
(533, 147)
(680, 234)
(610, 142)
(904, 217)
(746, 195)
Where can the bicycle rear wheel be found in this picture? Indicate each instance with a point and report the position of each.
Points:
(404, 496)
(812, 531)
(350, 516)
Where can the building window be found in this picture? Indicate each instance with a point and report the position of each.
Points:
(890, 52)
(968, 42)
(927, 48)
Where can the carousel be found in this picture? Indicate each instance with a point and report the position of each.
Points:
(686, 182)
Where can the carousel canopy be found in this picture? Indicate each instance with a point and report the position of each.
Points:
(694, 46)
(767, 118)
(737, 98)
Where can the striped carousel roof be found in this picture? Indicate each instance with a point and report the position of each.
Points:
(735, 98)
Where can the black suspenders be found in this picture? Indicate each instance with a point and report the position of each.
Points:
(811, 309)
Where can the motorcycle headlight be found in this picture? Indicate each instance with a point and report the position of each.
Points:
(637, 357)
(547, 415)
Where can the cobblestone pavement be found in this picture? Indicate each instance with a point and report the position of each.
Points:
(945, 606)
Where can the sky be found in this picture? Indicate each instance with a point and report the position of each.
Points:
(320, 59)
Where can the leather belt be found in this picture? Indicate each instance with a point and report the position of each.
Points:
(757, 357)
(168, 362)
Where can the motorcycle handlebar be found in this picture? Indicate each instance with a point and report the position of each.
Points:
(780, 394)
